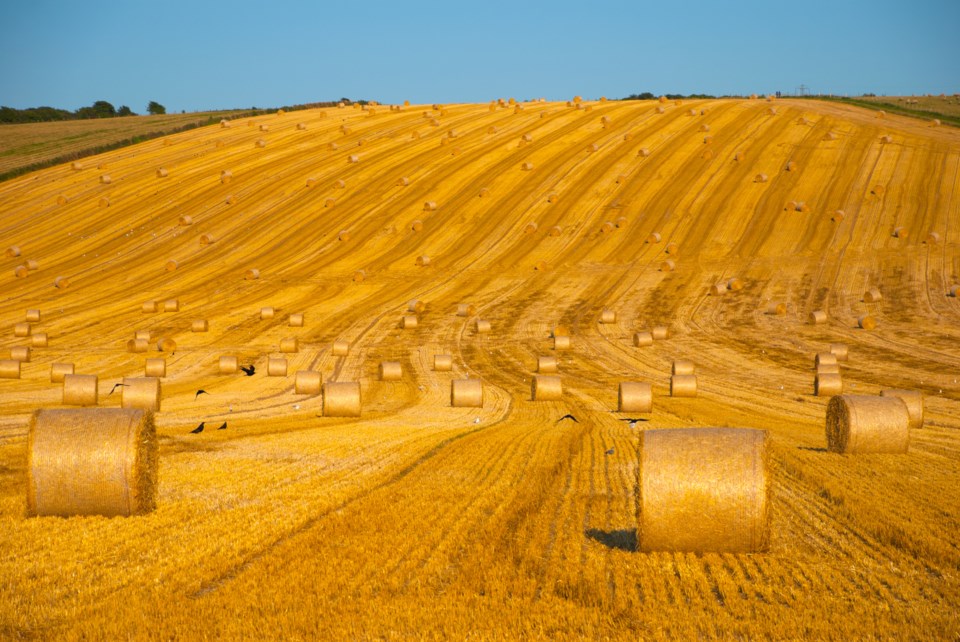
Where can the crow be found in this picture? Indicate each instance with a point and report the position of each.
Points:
(200, 392)
(610, 452)
(198, 429)
(115, 386)
(567, 417)
(249, 370)
(223, 427)
(633, 421)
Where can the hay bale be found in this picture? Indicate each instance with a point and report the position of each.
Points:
(840, 351)
(416, 306)
(683, 385)
(105, 179)
(707, 140)
(61, 283)
(228, 365)
(717, 289)
(886, 140)
(430, 206)
(155, 367)
(671, 248)
(546, 388)
(276, 367)
(390, 371)
(329, 202)
(76, 166)
(334, 146)
(554, 231)
(289, 345)
(828, 368)
(143, 334)
(935, 122)
(707, 154)
(207, 239)
(21, 330)
(307, 382)
(33, 315)
(359, 276)
(552, 197)
(466, 309)
(138, 345)
(837, 216)
(817, 317)
(408, 321)
(703, 128)
(703, 490)
(866, 424)
(642, 339)
(57, 371)
(933, 238)
(230, 200)
(654, 238)
(39, 340)
(547, 365)
(442, 362)
(264, 128)
(12, 252)
(760, 178)
(295, 320)
(561, 343)
(878, 190)
(592, 147)
(660, 110)
(541, 266)
(483, 193)
(403, 181)
(872, 295)
(791, 166)
(955, 291)
(20, 353)
(341, 348)
(900, 232)
(777, 308)
(167, 345)
(560, 331)
(423, 260)
(643, 152)
(226, 176)
(683, 367)
(660, 332)
(827, 384)
(634, 396)
(526, 167)
(913, 400)
(608, 316)
(466, 393)
(32, 265)
(199, 325)
(341, 399)
(267, 313)
(260, 143)
(530, 228)
(668, 266)
(9, 368)
(829, 136)
(606, 227)
(481, 326)
(91, 462)
(621, 222)
(353, 158)
(142, 393)
(80, 390)
(161, 172)
(171, 265)
(867, 322)
(251, 275)
(301, 126)
(628, 136)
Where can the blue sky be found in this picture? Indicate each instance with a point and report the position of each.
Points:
(198, 55)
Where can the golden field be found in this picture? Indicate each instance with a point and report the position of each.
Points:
(420, 520)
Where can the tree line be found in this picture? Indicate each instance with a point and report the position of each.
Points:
(99, 109)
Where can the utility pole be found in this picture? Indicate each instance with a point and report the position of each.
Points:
(803, 90)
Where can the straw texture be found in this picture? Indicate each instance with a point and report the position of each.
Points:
(683, 385)
(307, 382)
(913, 400)
(443, 362)
(141, 393)
(390, 371)
(866, 424)
(634, 396)
(80, 390)
(546, 388)
(155, 367)
(466, 393)
(341, 399)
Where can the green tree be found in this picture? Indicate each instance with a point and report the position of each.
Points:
(156, 108)
(125, 111)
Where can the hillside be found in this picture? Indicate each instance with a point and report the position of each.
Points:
(423, 520)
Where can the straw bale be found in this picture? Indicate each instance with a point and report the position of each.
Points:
(817, 317)
(827, 384)
(155, 367)
(707, 154)
(955, 291)
(408, 321)
(621, 179)
(560, 331)
(329, 202)
(662, 99)
(886, 140)
(429, 206)
(341, 348)
(643, 152)
(840, 350)
(526, 167)
(171, 265)
(403, 181)
(261, 143)
(654, 237)
(12, 252)
(707, 140)
(829, 136)
(546, 388)
(80, 390)
(301, 126)
(642, 339)
(878, 190)
(608, 316)
(634, 396)
(660, 332)
(552, 197)
(772, 111)
(442, 362)
(21, 330)
(353, 158)
(199, 325)
(561, 343)
(837, 216)
(149, 307)
(717, 289)
(91, 462)
(266, 313)
(416, 305)
(621, 222)
(760, 178)
(334, 146)
(228, 364)
(703, 128)
(671, 248)
(606, 227)
(541, 266)
(791, 166)
(828, 368)
(683, 385)
(866, 424)
(867, 322)
(207, 239)
(230, 200)
(289, 345)
(138, 345)
(32, 265)
(307, 382)
(344, 130)
(466, 393)
(668, 266)
(628, 136)
(251, 275)
(341, 399)
(554, 231)
(161, 172)
(76, 166)
(466, 309)
(547, 364)
(141, 393)
(900, 232)
(143, 334)
(61, 283)
(933, 238)
(9, 368)
(683, 367)
(276, 367)
(39, 340)
(777, 308)
(660, 110)
(295, 320)
(390, 371)
(20, 353)
(530, 228)
(703, 490)
(484, 192)
(167, 345)
(739, 156)
(58, 371)
(592, 147)
(359, 276)
(913, 400)
(226, 176)
(423, 260)
(872, 295)
(481, 326)
(935, 122)
(105, 179)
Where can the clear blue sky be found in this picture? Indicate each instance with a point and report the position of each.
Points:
(200, 55)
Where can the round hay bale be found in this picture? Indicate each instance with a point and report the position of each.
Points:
(643, 152)
(390, 371)
(552, 197)
(91, 462)
(33, 315)
(416, 306)
(199, 325)
(530, 228)
(829, 136)
(634, 396)
(825, 358)
(329, 202)
(881, 114)
(39, 340)
(21, 330)
(12, 252)
(683, 367)
(817, 317)
(935, 122)
(353, 158)
(668, 266)
(408, 321)
(608, 316)
(775, 308)
(683, 385)
(760, 178)
(339, 184)
(9, 368)
(886, 140)
(138, 345)
(171, 265)
(541, 266)
(251, 275)
(341, 348)
(76, 166)
(334, 146)
(307, 382)
(660, 110)
(867, 322)
(827, 384)
(900, 232)
(341, 399)
(606, 227)
(592, 147)
(717, 289)
(80, 390)
(482, 327)
(841, 351)
(32, 265)
(276, 367)
(207, 239)
(143, 334)
(772, 111)
(828, 368)
(739, 156)
(105, 179)
(660, 332)
(155, 367)
(466, 393)
(703, 128)
(866, 424)
(707, 154)
(230, 200)
(228, 365)
(20, 353)
(628, 136)
(554, 231)
(791, 166)
(547, 365)
(61, 283)
(642, 339)
(878, 190)
(264, 128)
(423, 260)
(359, 276)
(167, 345)
(289, 345)
(430, 206)
(161, 172)
(466, 309)
(654, 238)
(561, 343)
(260, 143)
(621, 222)
(301, 126)
(58, 371)
(671, 248)
(344, 130)
(141, 393)
(560, 331)
(837, 216)
(872, 295)
(933, 238)
(226, 176)
(662, 99)
(703, 490)
(913, 400)
(526, 167)
(295, 320)
(484, 192)
(955, 291)
(546, 388)
(442, 362)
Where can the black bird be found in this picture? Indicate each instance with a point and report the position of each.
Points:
(633, 421)
(249, 370)
(567, 417)
(200, 392)
(115, 386)
(223, 427)
(198, 429)
(610, 452)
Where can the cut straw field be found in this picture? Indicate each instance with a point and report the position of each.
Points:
(396, 233)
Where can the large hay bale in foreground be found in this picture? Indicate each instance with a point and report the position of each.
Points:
(91, 462)
(546, 388)
(307, 382)
(867, 424)
(703, 490)
(466, 393)
(635, 396)
(142, 393)
(80, 390)
(341, 399)
(9, 368)
(913, 400)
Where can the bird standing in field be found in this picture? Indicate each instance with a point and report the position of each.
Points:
(198, 429)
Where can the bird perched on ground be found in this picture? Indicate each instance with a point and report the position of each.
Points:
(200, 392)
(567, 417)
(610, 452)
(249, 370)
(115, 386)
(223, 426)
(198, 429)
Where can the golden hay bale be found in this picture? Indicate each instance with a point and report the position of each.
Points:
(143, 334)
(707, 140)
(207, 239)
(266, 313)
(466, 393)
(760, 178)
(683, 385)
(777, 308)
(33, 315)
(105, 179)
(466, 309)
(660, 110)
(155, 367)
(933, 238)
(703, 490)
(32, 265)
(264, 128)
(541, 266)
(628, 136)
(560, 331)
(643, 152)
(12, 252)
(913, 400)
(423, 260)
(791, 166)
(390, 371)
(955, 291)
(167, 345)
(341, 399)
(772, 111)
(817, 316)
(717, 289)
(295, 320)
(408, 321)
(828, 368)
(416, 305)
(170, 305)
(226, 176)
(484, 193)
(171, 265)
(161, 172)
(606, 227)
(671, 248)
(344, 130)
(547, 365)
(481, 326)
(546, 388)
(430, 206)
(872, 295)
(662, 99)
(642, 339)
(276, 367)
(707, 154)
(554, 231)
(840, 350)
(251, 275)
(526, 167)
(141, 393)
(9, 368)
(21, 330)
(867, 322)
(739, 156)
(57, 371)
(289, 345)
(552, 197)
(935, 122)
(334, 146)
(341, 348)
(138, 345)
(830, 136)
(660, 332)
(592, 147)
(878, 190)
(353, 158)
(307, 382)
(230, 200)
(621, 222)
(608, 316)
(654, 237)
(20, 353)
(260, 143)
(668, 266)
(61, 283)
(827, 384)
(837, 216)
(867, 424)
(442, 362)
(561, 342)
(199, 325)
(683, 367)
(91, 462)
(703, 128)
(634, 396)
(76, 166)
(886, 140)
(228, 365)
(329, 202)
(359, 276)
(80, 390)
(39, 340)
(621, 178)
(530, 228)
(900, 232)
